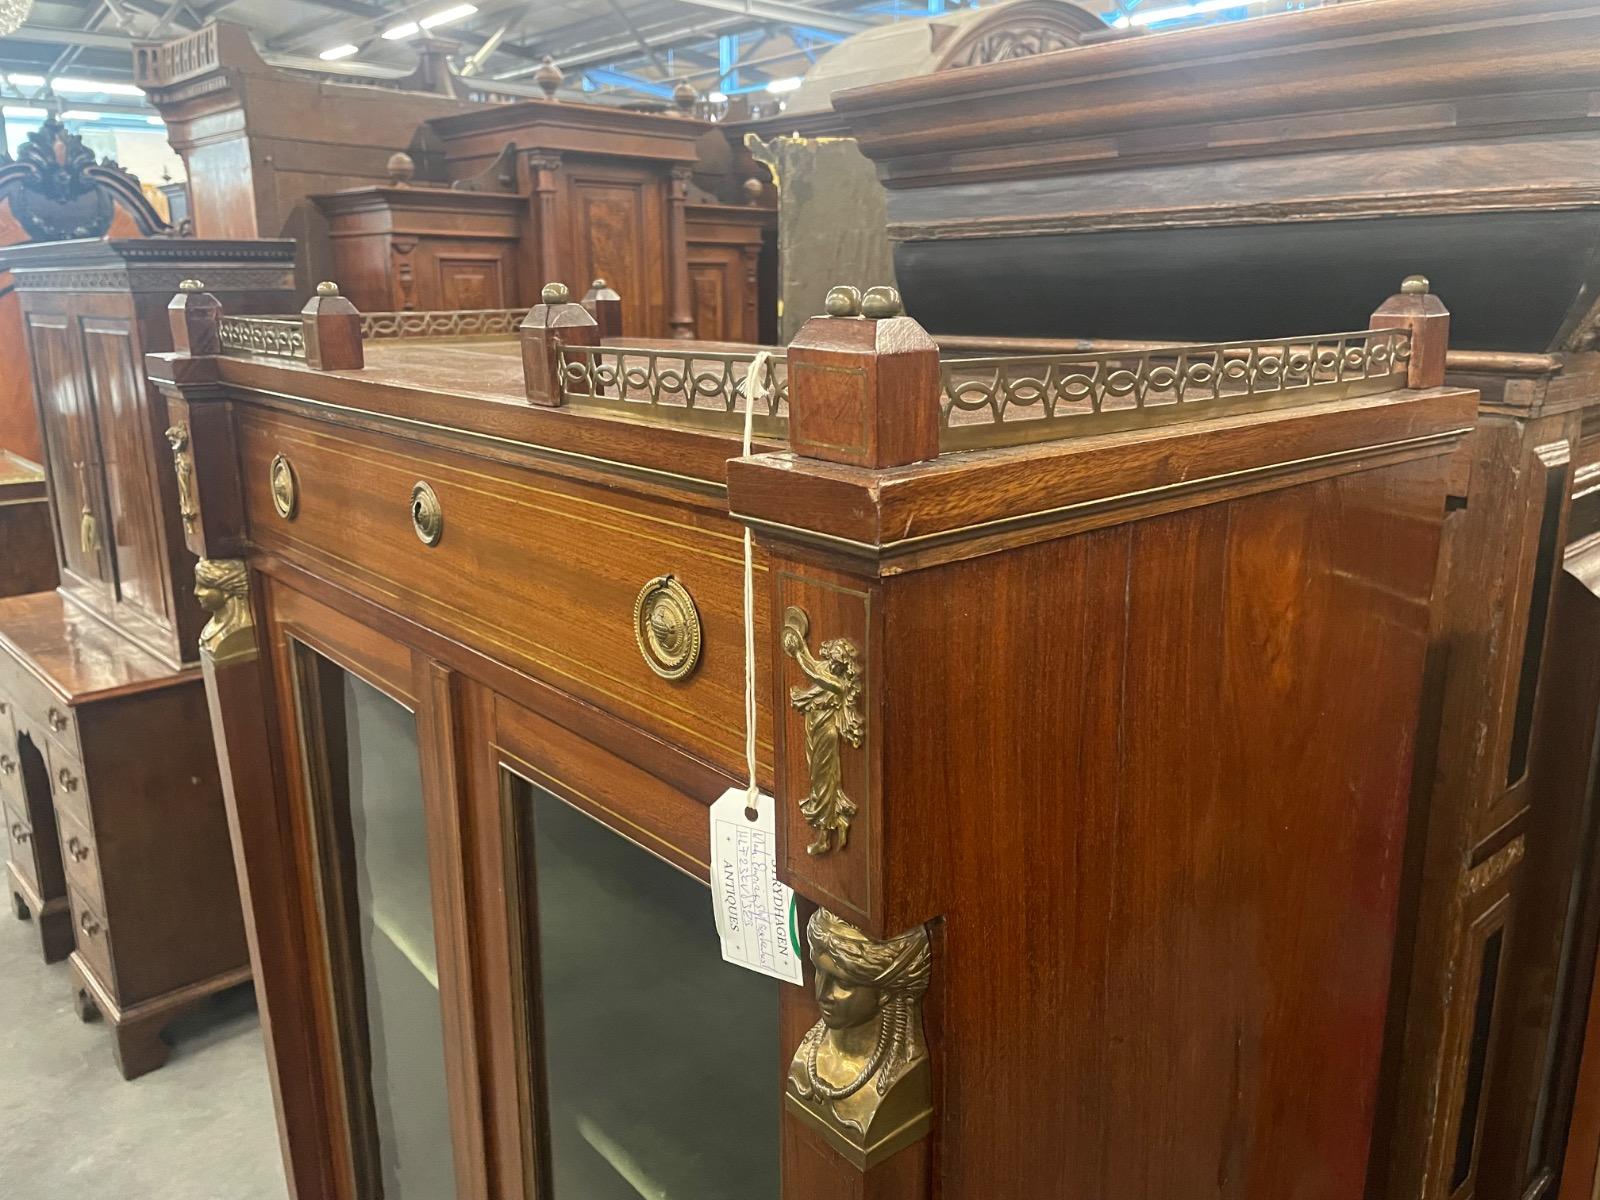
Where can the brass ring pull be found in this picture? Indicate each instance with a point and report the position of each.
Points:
(284, 486)
(77, 849)
(427, 515)
(89, 925)
(20, 833)
(666, 625)
(57, 720)
(8, 765)
(67, 780)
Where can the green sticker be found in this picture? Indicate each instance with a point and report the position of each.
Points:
(794, 924)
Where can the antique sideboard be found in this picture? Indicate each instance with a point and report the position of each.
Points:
(1179, 179)
(118, 844)
(1098, 890)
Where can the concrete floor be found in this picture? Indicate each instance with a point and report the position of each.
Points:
(71, 1128)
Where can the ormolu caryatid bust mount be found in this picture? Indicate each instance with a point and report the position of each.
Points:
(861, 1075)
(222, 585)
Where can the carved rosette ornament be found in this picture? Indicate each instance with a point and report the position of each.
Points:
(861, 1076)
(222, 585)
(183, 468)
(830, 701)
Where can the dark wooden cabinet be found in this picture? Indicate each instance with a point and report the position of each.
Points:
(120, 846)
(27, 549)
(404, 249)
(1178, 180)
(1091, 885)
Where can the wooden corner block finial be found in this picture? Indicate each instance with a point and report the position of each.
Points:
(332, 329)
(554, 322)
(194, 315)
(864, 383)
(1417, 309)
(605, 306)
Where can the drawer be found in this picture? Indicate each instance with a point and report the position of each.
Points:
(12, 793)
(69, 787)
(19, 845)
(36, 710)
(541, 571)
(93, 936)
(80, 859)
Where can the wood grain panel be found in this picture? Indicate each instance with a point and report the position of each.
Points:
(539, 570)
(1206, 718)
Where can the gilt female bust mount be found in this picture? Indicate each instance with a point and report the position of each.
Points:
(860, 1076)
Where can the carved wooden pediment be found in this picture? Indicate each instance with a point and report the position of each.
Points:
(59, 191)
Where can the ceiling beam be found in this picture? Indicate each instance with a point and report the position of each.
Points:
(70, 37)
(774, 10)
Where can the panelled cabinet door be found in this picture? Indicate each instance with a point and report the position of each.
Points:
(72, 448)
(618, 233)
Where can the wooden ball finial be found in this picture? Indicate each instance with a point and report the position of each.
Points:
(685, 97)
(402, 167)
(843, 301)
(548, 77)
(881, 303)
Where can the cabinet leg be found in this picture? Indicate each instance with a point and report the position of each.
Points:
(55, 934)
(19, 906)
(86, 1008)
(139, 1047)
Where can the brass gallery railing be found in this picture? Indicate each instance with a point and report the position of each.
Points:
(700, 387)
(276, 337)
(470, 322)
(984, 401)
(1012, 399)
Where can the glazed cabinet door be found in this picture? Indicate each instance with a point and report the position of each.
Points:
(72, 452)
(651, 1067)
(370, 889)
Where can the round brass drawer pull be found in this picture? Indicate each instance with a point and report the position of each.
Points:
(77, 849)
(8, 765)
(20, 833)
(666, 624)
(427, 517)
(67, 780)
(89, 925)
(57, 720)
(285, 488)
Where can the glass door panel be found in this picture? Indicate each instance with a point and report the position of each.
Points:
(371, 830)
(660, 1060)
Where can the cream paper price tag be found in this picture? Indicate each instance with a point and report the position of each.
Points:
(757, 918)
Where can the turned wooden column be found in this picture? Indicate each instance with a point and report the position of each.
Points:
(542, 170)
(680, 308)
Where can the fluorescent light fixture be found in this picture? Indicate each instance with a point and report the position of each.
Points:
(27, 80)
(397, 32)
(156, 121)
(446, 15)
(338, 52)
(778, 86)
(24, 112)
(717, 98)
(1175, 12)
(95, 87)
(78, 114)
